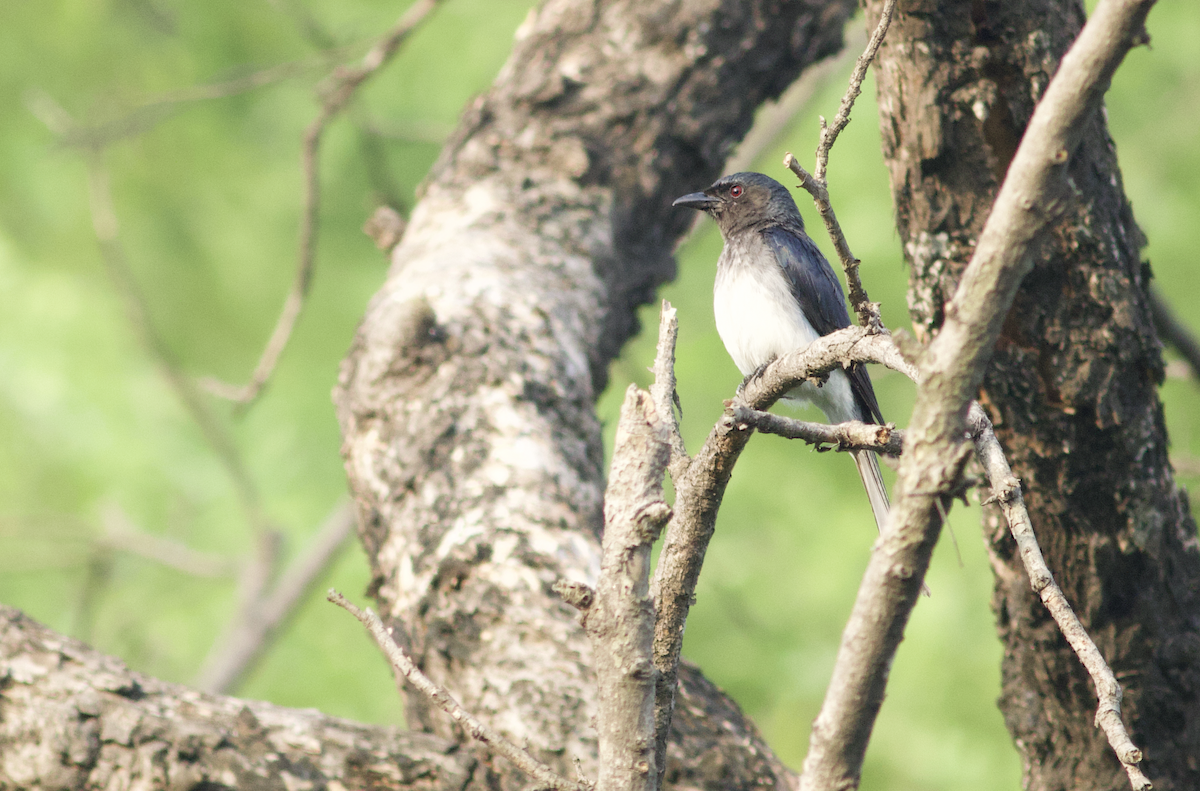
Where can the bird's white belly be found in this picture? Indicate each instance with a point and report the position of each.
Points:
(758, 319)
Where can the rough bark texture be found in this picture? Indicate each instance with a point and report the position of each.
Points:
(74, 718)
(466, 402)
(1072, 389)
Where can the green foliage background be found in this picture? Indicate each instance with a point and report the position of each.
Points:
(208, 198)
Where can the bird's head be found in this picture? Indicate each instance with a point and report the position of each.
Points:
(743, 201)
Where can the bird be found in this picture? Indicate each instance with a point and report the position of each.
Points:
(776, 293)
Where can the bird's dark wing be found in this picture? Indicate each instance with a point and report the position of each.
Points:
(820, 295)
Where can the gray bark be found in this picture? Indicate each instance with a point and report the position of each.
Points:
(74, 718)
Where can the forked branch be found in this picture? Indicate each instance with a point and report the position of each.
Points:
(336, 93)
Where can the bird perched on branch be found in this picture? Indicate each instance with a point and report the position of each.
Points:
(775, 293)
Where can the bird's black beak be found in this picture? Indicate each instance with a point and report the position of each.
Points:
(697, 200)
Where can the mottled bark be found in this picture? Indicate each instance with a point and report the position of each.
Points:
(1071, 388)
(74, 718)
(466, 402)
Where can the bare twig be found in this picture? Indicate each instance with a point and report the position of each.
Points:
(1186, 465)
(817, 186)
(336, 93)
(403, 665)
(107, 230)
(775, 117)
(663, 391)
(151, 112)
(1174, 332)
(829, 134)
(620, 623)
(842, 436)
(951, 370)
(263, 614)
(1006, 490)
(120, 533)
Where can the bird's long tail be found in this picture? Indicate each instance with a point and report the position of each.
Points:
(868, 469)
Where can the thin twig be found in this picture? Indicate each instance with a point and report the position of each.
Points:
(336, 93)
(775, 117)
(405, 666)
(107, 230)
(120, 533)
(817, 186)
(829, 134)
(264, 614)
(1174, 332)
(1006, 490)
(154, 110)
(853, 435)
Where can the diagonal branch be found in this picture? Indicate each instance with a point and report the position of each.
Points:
(1174, 332)
(1006, 491)
(336, 93)
(265, 611)
(951, 370)
(405, 667)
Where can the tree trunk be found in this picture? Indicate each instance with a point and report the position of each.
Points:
(467, 400)
(74, 718)
(1071, 388)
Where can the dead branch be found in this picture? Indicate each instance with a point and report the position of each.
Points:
(121, 534)
(107, 230)
(817, 186)
(405, 667)
(1006, 491)
(853, 435)
(663, 391)
(145, 116)
(700, 486)
(336, 93)
(775, 117)
(620, 623)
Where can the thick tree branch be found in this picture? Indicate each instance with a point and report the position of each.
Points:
(74, 718)
(467, 401)
(951, 370)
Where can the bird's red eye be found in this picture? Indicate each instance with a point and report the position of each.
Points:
(735, 191)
